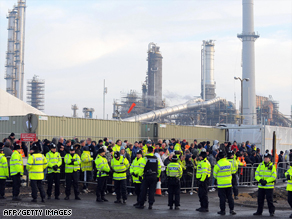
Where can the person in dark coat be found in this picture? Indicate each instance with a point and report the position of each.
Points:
(281, 165)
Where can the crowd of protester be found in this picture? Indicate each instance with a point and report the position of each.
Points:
(188, 152)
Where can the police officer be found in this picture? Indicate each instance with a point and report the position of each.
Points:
(288, 175)
(203, 175)
(54, 163)
(120, 164)
(35, 166)
(234, 168)
(150, 173)
(16, 171)
(134, 170)
(103, 171)
(266, 175)
(4, 173)
(174, 173)
(72, 168)
(222, 173)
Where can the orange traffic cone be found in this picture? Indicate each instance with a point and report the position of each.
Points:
(158, 188)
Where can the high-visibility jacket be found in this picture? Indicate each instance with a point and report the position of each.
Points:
(128, 150)
(174, 169)
(86, 161)
(289, 182)
(182, 163)
(70, 168)
(36, 165)
(4, 172)
(102, 166)
(120, 168)
(222, 172)
(177, 147)
(116, 148)
(16, 163)
(144, 150)
(53, 159)
(203, 170)
(144, 162)
(135, 169)
(266, 172)
(234, 165)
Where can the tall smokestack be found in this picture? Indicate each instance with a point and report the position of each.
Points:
(248, 37)
(208, 83)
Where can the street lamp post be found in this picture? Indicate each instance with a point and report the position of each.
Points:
(241, 81)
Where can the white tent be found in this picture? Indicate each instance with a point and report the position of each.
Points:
(12, 106)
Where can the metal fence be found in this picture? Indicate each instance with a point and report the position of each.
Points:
(245, 177)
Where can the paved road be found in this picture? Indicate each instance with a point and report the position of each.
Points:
(88, 208)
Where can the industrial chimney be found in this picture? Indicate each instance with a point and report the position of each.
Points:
(248, 37)
(208, 84)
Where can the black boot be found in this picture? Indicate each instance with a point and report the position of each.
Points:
(98, 199)
(16, 198)
(221, 212)
(34, 200)
(66, 198)
(77, 198)
(150, 207)
(117, 201)
(257, 214)
(104, 199)
(232, 212)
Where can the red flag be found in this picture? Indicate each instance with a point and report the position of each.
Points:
(132, 106)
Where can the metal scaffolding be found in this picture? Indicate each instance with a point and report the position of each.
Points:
(36, 93)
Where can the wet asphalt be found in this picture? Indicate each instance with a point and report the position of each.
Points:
(88, 208)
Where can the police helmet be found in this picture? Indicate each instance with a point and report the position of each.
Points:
(221, 154)
(35, 148)
(72, 148)
(52, 145)
(117, 154)
(174, 158)
(267, 155)
(139, 151)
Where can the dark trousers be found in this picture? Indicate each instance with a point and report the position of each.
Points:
(53, 178)
(203, 194)
(35, 186)
(261, 199)
(121, 189)
(2, 187)
(16, 184)
(149, 182)
(224, 193)
(137, 190)
(72, 178)
(101, 186)
(173, 191)
(290, 198)
(234, 185)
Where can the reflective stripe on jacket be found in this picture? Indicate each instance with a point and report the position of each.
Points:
(16, 163)
(4, 172)
(268, 173)
(136, 168)
(143, 164)
(86, 161)
(53, 159)
(35, 166)
(203, 170)
(234, 165)
(174, 169)
(289, 182)
(102, 166)
(222, 172)
(120, 167)
(69, 168)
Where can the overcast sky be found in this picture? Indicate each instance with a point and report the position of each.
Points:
(76, 44)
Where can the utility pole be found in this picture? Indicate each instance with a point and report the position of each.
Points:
(104, 93)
